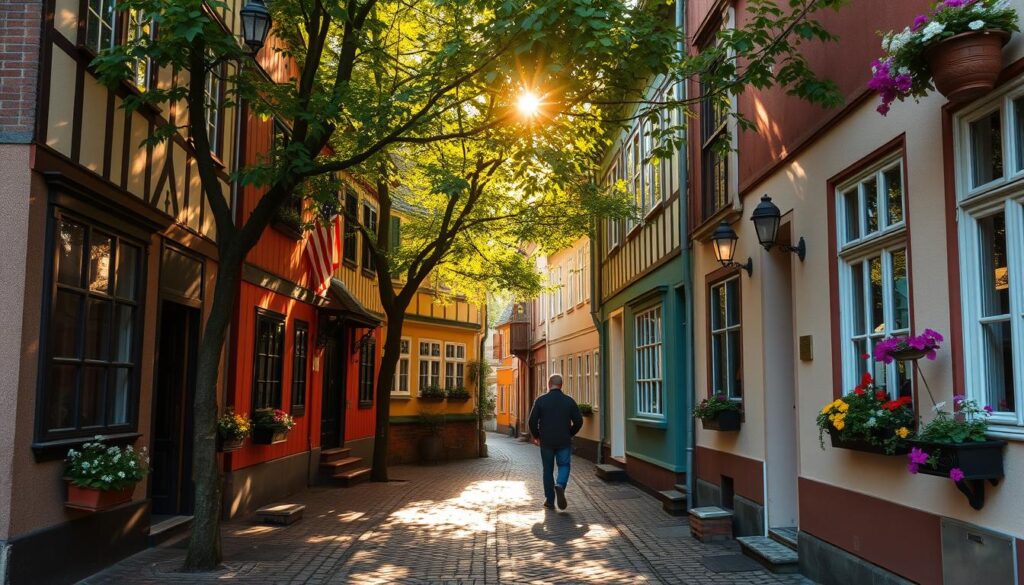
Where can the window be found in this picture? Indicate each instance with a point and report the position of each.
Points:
(349, 252)
(570, 294)
(140, 27)
(670, 164)
(559, 293)
(873, 275)
(716, 156)
(299, 366)
(100, 25)
(454, 365)
(367, 363)
(370, 223)
(430, 364)
(580, 380)
(648, 363)
(266, 379)
(652, 165)
(214, 94)
(726, 340)
(501, 398)
(570, 387)
(581, 266)
(613, 226)
(91, 384)
(401, 386)
(587, 397)
(597, 388)
(990, 173)
(634, 171)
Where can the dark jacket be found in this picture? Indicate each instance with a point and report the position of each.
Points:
(555, 419)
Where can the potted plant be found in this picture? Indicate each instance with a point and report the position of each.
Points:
(908, 349)
(956, 446)
(232, 429)
(718, 413)
(867, 420)
(458, 393)
(101, 477)
(431, 447)
(432, 393)
(586, 409)
(271, 426)
(957, 45)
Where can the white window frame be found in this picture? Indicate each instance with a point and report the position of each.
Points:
(93, 14)
(613, 226)
(976, 203)
(405, 357)
(458, 365)
(570, 387)
(581, 267)
(214, 95)
(587, 396)
(570, 292)
(885, 242)
(597, 379)
(648, 362)
(428, 360)
(580, 380)
(730, 390)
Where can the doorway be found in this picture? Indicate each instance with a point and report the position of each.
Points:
(616, 387)
(171, 487)
(332, 415)
(781, 446)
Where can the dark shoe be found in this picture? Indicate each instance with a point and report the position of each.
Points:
(560, 494)
(549, 505)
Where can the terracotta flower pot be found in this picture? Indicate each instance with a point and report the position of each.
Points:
(94, 500)
(966, 66)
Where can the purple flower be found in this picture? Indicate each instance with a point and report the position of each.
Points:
(956, 3)
(988, 408)
(956, 474)
(919, 342)
(918, 456)
(957, 399)
(912, 468)
(933, 334)
(930, 355)
(919, 22)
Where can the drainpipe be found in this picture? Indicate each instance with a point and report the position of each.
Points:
(595, 315)
(481, 390)
(684, 221)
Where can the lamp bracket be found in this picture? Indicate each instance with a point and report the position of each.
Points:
(748, 266)
(800, 249)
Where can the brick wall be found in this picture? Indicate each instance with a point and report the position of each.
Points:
(19, 63)
(459, 438)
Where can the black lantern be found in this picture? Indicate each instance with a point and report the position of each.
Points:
(255, 24)
(724, 240)
(766, 219)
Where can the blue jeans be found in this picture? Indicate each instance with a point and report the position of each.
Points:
(549, 457)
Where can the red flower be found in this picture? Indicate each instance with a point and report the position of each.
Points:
(866, 379)
(880, 395)
(858, 391)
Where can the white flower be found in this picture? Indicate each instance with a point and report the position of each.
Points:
(938, 407)
(107, 478)
(976, 25)
(931, 30)
(120, 474)
(85, 465)
(872, 422)
(131, 463)
(892, 43)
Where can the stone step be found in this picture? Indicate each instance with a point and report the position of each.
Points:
(786, 536)
(280, 513)
(169, 529)
(333, 467)
(673, 502)
(609, 472)
(680, 487)
(328, 455)
(777, 558)
(351, 477)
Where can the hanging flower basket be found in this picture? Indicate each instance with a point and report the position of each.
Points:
(727, 420)
(95, 500)
(966, 66)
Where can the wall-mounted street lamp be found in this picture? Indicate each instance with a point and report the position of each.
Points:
(724, 240)
(766, 219)
(256, 22)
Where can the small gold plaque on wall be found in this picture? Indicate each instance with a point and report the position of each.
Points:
(806, 348)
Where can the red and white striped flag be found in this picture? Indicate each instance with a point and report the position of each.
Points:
(323, 246)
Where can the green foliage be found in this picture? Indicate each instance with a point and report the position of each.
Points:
(710, 408)
(486, 405)
(585, 409)
(432, 392)
(273, 419)
(457, 393)
(106, 468)
(867, 414)
(968, 425)
(233, 426)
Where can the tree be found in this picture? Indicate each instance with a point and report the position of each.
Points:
(379, 84)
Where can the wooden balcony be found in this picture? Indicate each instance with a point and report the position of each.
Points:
(519, 338)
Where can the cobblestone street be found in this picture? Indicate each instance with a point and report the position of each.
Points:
(470, 522)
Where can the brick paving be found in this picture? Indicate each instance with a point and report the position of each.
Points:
(471, 522)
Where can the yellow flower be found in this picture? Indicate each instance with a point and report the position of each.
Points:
(902, 432)
(831, 417)
(826, 408)
(838, 424)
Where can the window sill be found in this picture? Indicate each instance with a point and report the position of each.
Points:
(655, 210)
(369, 273)
(298, 410)
(1006, 432)
(401, 397)
(365, 404)
(649, 422)
(57, 450)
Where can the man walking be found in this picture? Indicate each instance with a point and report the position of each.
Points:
(554, 421)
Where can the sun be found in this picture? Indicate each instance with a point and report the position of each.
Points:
(528, 104)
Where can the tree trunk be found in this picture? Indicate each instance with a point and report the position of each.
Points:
(204, 553)
(385, 382)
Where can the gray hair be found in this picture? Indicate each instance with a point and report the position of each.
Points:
(555, 380)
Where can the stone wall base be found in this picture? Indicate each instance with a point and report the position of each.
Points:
(460, 439)
(830, 565)
(255, 486)
(585, 448)
(748, 515)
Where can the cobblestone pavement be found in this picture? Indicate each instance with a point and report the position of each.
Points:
(472, 522)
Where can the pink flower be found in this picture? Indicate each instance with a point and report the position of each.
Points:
(957, 399)
(919, 22)
(918, 456)
(912, 468)
(956, 474)
(988, 408)
(933, 334)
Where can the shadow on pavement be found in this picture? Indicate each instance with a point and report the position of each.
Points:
(559, 528)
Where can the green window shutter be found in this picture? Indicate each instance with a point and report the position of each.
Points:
(396, 232)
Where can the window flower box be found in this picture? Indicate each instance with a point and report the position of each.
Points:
(432, 394)
(232, 429)
(586, 409)
(271, 426)
(458, 394)
(844, 441)
(94, 499)
(867, 420)
(969, 465)
(228, 445)
(724, 421)
(265, 436)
